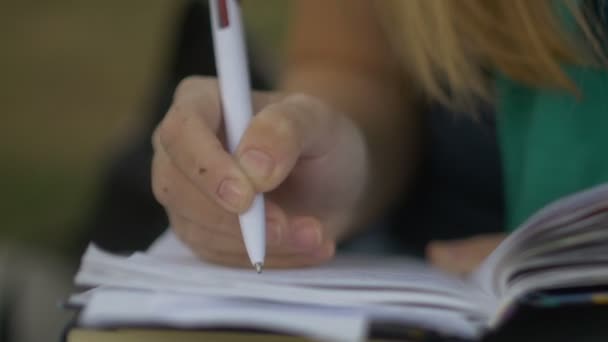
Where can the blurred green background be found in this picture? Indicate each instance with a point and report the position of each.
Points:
(74, 78)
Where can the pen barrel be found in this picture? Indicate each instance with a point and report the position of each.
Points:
(235, 94)
(232, 69)
(253, 228)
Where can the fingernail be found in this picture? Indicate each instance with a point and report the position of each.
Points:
(257, 164)
(273, 233)
(231, 193)
(306, 236)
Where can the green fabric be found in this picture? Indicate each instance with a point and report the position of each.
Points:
(552, 143)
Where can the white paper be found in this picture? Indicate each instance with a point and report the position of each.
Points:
(346, 270)
(107, 307)
(100, 268)
(116, 308)
(568, 211)
(396, 290)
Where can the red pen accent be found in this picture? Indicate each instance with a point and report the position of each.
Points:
(223, 15)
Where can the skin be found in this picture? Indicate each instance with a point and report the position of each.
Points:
(332, 148)
(462, 256)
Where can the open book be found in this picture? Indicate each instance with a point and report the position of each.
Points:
(565, 245)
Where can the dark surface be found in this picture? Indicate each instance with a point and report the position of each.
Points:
(529, 322)
(581, 323)
(459, 190)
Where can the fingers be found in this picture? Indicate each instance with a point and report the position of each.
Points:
(197, 152)
(230, 251)
(203, 187)
(463, 256)
(272, 261)
(215, 233)
(188, 136)
(296, 127)
(179, 195)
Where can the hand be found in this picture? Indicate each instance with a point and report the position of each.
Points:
(310, 160)
(462, 256)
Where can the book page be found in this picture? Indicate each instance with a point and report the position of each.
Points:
(565, 218)
(116, 308)
(561, 246)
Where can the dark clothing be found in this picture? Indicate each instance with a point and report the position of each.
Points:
(459, 188)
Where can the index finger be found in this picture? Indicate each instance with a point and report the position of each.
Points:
(188, 135)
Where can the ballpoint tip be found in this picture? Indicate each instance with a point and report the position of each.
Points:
(258, 267)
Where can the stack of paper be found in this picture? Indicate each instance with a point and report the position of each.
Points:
(170, 286)
(564, 246)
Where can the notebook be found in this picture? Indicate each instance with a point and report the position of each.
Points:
(563, 246)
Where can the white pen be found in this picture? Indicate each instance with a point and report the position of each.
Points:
(235, 94)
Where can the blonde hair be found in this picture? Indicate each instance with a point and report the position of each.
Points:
(451, 46)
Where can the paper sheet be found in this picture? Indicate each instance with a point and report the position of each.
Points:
(395, 290)
(352, 270)
(115, 308)
(111, 307)
(568, 211)
(349, 280)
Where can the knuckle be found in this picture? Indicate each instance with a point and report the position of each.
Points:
(278, 123)
(173, 127)
(197, 96)
(156, 139)
(189, 84)
(285, 126)
(309, 108)
(300, 98)
(304, 103)
(169, 130)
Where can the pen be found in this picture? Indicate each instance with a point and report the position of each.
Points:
(233, 75)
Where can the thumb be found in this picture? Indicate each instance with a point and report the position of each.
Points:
(283, 132)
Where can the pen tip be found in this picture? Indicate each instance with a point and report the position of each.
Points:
(258, 267)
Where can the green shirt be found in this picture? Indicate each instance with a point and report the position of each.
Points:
(552, 143)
